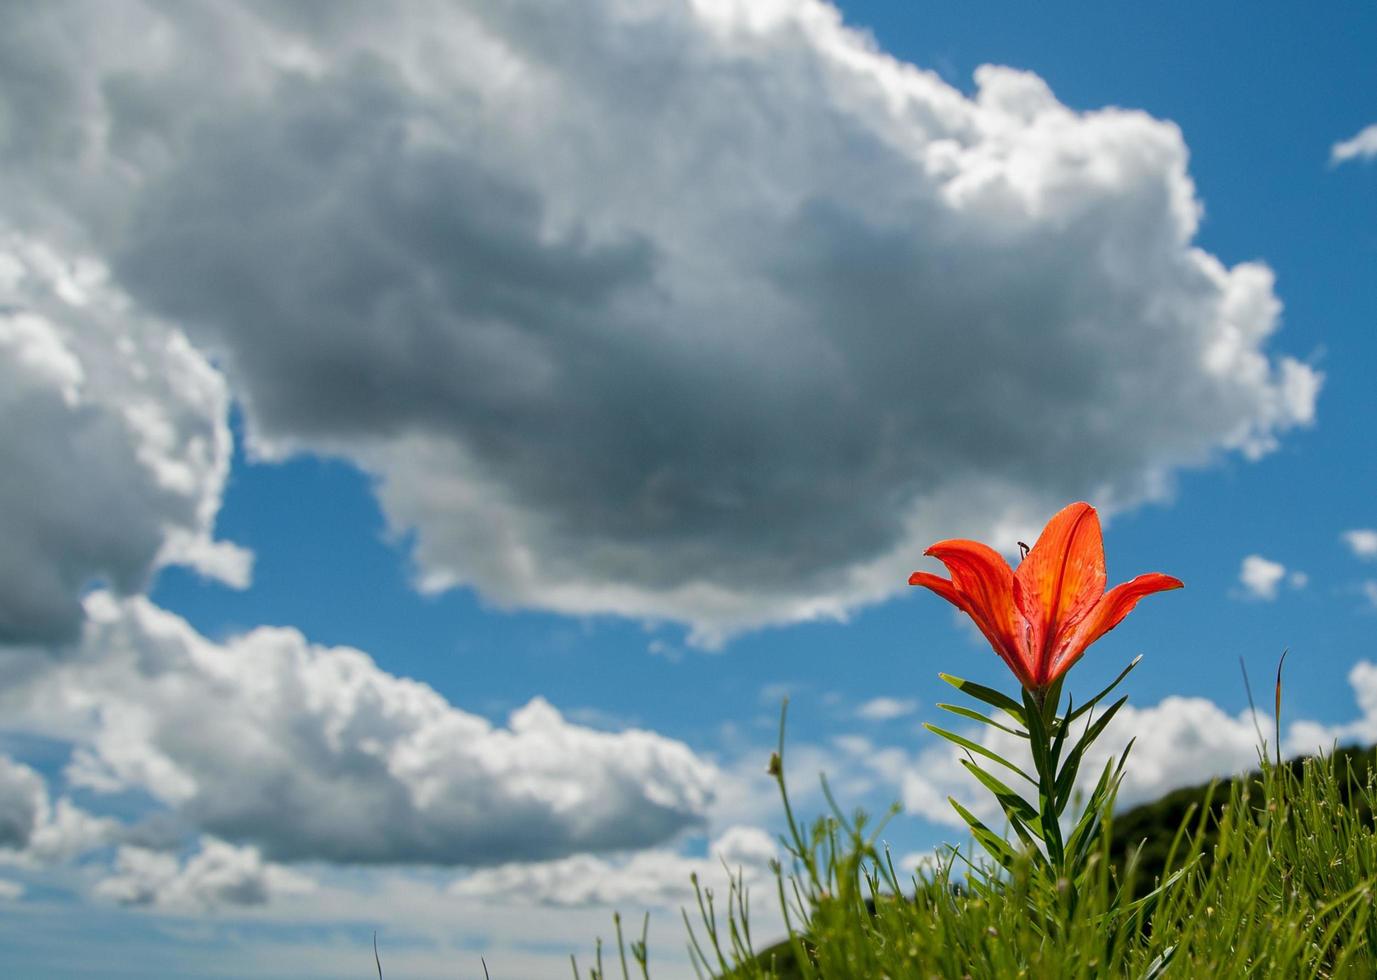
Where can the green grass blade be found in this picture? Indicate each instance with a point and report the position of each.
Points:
(1159, 965)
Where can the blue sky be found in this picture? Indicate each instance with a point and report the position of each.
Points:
(436, 446)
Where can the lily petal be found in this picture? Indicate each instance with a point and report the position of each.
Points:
(1117, 603)
(957, 598)
(986, 584)
(1061, 579)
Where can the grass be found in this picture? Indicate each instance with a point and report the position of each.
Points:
(1148, 829)
(1272, 875)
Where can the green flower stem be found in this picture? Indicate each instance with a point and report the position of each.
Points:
(1057, 753)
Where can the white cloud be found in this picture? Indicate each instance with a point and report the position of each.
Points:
(424, 931)
(1363, 146)
(1260, 577)
(697, 312)
(1311, 736)
(746, 795)
(315, 753)
(1362, 542)
(886, 708)
(1180, 742)
(1263, 578)
(35, 831)
(915, 862)
(648, 879)
(115, 444)
(1369, 591)
(218, 874)
(10, 891)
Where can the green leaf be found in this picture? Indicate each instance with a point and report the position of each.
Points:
(1093, 732)
(1051, 831)
(1059, 739)
(1083, 836)
(978, 749)
(1100, 697)
(1050, 700)
(1013, 804)
(1037, 735)
(987, 694)
(1082, 839)
(1118, 770)
(997, 847)
(956, 709)
(1038, 741)
(1025, 834)
(1067, 777)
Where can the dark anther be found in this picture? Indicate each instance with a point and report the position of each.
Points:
(1024, 549)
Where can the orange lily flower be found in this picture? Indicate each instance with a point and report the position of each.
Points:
(1040, 618)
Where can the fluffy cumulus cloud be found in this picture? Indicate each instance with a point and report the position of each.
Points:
(313, 753)
(1178, 742)
(1362, 146)
(115, 444)
(36, 831)
(1312, 736)
(1262, 578)
(217, 874)
(649, 879)
(706, 312)
(1362, 542)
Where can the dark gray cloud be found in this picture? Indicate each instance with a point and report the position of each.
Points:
(710, 313)
(366, 284)
(23, 796)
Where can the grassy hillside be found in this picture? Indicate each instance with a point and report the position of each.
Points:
(1272, 875)
(1152, 826)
